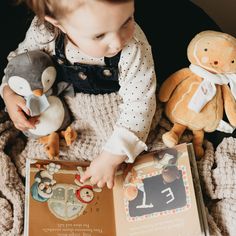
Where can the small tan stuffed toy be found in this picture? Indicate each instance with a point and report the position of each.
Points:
(196, 97)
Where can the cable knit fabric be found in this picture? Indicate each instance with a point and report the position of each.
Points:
(218, 173)
(94, 120)
(216, 168)
(11, 186)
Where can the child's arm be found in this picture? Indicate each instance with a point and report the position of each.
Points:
(138, 92)
(37, 37)
(138, 88)
(16, 109)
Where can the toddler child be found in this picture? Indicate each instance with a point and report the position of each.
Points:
(105, 55)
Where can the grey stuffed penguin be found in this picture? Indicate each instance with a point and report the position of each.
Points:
(32, 75)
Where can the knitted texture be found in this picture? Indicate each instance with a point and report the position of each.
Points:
(218, 173)
(205, 166)
(224, 174)
(11, 186)
(94, 120)
(224, 214)
(218, 170)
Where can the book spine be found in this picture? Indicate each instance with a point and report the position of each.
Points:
(27, 194)
(198, 191)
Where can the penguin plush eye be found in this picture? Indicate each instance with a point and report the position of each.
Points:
(19, 85)
(48, 78)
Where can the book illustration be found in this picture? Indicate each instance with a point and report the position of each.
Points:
(143, 200)
(41, 190)
(85, 192)
(132, 185)
(153, 196)
(166, 162)
(64, 204)
(65, 201)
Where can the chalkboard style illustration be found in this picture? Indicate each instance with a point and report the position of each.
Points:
(153, 196)
(133, 185)
(156, 186)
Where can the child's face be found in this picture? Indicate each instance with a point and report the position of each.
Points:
(99, 28)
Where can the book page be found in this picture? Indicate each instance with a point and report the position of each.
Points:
(58, 204)
(155, 196)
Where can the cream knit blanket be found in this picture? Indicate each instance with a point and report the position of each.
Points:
(11, 185)
(95, 117)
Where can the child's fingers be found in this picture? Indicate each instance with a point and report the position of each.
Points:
(86, 175)
(23, 107)
(34, 120)
(110, 184)
(26, 123)
(22, 123)
(20, 127)
(26, 110)
(101, 183)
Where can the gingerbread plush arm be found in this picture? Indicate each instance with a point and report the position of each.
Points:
(172, 82)
(229, 104)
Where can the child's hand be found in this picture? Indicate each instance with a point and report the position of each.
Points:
(16, 107)
(102, 169)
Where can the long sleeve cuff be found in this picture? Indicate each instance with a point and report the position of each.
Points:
(124, 142)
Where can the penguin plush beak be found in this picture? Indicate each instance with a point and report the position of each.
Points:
(38, 92)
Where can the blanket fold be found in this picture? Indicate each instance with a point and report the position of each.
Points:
(216, 168)
(11, 185)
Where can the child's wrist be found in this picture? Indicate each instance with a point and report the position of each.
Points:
(7, 92)
(120, 159)
(114, 158)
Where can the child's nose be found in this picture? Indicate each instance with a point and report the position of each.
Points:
(116, 43)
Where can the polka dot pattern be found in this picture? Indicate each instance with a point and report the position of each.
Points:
(136, 76)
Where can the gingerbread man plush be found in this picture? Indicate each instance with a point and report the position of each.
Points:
(196, 97)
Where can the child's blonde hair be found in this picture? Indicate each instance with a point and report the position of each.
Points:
(58, 8)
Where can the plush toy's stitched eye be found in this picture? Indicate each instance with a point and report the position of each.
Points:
(232, 61)
(205, 49)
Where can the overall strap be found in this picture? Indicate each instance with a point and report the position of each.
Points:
(60, 49)
(113, 61)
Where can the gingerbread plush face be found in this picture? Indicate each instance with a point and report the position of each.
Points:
(213, 51)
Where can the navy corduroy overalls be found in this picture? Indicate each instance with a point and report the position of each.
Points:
(85, 78)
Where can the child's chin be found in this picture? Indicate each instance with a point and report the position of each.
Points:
(112, 54)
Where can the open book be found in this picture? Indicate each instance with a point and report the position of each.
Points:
(153, 196)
